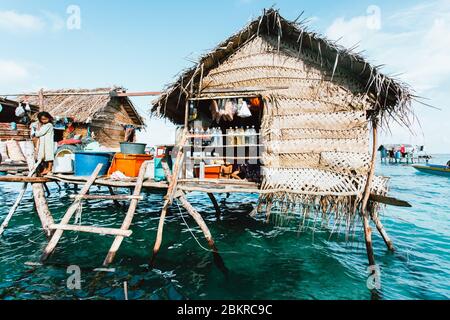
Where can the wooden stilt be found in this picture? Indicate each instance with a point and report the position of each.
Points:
(216, 205)
(129, 217)
(39, 198)
(382, 231)
(116, 202)
(173, 181)
(70, 212)
(18, 200)
(201, 223)
(368, 239)
(268, 210)
(198, 218)
(364, 212)
(47, 190)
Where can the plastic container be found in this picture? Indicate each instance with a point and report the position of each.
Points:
(64, 162)
(132, 148)
(211, 171)
(161, 153)
(128, 164)
(86, 162)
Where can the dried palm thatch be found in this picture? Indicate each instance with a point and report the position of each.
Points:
(85, 105)
(390, 98)
(320, 100)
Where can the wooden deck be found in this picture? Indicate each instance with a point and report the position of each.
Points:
(186, 185)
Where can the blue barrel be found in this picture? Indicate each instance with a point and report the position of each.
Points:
(161, 153)
(86, 162)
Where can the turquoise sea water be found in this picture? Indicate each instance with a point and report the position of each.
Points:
(264, 261)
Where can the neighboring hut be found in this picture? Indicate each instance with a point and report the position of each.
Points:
(320, 102)
(101, 112)
(13, 127)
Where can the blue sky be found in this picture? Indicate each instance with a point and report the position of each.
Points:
(142, 45)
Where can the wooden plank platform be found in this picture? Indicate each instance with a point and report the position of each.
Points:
(23, 179)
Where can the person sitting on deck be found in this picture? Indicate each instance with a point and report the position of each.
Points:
(45, 133)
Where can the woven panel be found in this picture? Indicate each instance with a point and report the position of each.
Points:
(289, 106)
(318, 145)
(319, 182)
(327, 121)
(299, 160)
(339, 162)
(346, 162)
(380, 185)
(312, 181)
(294, 134)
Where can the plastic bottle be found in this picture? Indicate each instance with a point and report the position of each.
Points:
(253, 140)
(219, 140)
(241, 137)
(247, 135)
(197, 140)
(230, 136)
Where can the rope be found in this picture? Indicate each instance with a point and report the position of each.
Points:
(196, 239)
(190, 231)
(78, 214)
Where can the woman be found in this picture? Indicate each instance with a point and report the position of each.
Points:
(45, 133)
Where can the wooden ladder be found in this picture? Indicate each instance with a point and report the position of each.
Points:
(119, 234)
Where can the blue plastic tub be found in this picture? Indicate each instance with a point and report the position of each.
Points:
(161, 153)
(86, 162)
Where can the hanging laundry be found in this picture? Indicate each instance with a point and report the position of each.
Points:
(130, 134)
(20, 111)
(243, 110)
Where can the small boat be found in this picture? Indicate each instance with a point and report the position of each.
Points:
(434, 169)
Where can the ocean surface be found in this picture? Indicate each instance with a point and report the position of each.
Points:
(264, 261)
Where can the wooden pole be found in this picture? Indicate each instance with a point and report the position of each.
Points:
(201, 223)
(170, 194)
(116, 203)
(364, 212)
(18, 200)
(40, 201)
(129, 217)
(70, 212)
(41, 100)
(216, 205)
(387, 240)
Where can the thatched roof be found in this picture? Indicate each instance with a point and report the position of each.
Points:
(15, 104)
(84, 104)
(392, 98)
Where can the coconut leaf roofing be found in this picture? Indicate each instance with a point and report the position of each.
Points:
(392, 98)
(83, 104)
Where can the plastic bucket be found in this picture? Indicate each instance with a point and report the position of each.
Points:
(63, 162)
(128, 164)
(86, 162)
(132, 148)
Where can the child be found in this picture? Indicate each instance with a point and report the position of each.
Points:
(45, 134)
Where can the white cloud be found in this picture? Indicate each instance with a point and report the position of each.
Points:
(414, 43)
(12, 72)
(18, 22)
(55, 21)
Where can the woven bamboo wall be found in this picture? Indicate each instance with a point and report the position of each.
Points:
(316, 130)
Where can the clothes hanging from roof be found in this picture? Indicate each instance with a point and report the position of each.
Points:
(130, 134)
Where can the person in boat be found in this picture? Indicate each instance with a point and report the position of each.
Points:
(448, 164)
